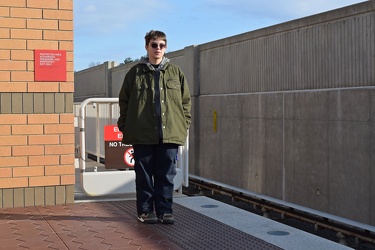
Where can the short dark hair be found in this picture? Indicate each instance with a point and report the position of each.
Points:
(155, 34)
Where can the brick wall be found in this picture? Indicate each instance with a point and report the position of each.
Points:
(36, 118)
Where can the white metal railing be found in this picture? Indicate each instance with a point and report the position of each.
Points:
(113, 182)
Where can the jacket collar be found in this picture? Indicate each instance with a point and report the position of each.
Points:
(162, 65)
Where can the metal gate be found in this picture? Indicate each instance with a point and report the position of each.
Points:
(97, 183)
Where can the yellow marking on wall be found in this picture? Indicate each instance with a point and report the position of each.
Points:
(215, 121)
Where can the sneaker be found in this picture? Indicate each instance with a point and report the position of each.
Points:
(166, 219)
(148, 218)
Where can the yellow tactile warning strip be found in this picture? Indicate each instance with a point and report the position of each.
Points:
(113, 225)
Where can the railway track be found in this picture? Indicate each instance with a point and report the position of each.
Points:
(353, 234)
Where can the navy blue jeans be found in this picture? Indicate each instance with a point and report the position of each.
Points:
(155, 168)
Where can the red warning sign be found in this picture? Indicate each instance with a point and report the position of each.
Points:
(50, 65)
(112, 133)
(117, 154)
(128, 157)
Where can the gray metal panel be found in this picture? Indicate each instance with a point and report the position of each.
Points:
(371, 176)
(93, 82)
(338, 53)
(118, 75)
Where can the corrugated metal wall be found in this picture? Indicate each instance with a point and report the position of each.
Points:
(93, 82)
(334, 54)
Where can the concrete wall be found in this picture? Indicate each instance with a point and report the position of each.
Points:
(312, 148)
(294, 110)
(36, 117)
(93, 82)
(294, 117)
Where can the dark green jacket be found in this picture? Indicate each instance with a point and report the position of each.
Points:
(139, 120)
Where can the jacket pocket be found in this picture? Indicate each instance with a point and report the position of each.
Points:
(174, 89)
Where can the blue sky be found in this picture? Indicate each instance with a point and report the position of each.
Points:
(113, 30)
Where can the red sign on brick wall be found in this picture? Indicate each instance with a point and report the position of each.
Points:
(50, 65)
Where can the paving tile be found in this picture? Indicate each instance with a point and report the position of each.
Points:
(117, 241)
(106, 234)
(60, 226)
(125, 247)
(76, 226)
(30, 241)
(91, 243)
(92, 225)
(25, 226)
(7, 244)
(69, 241)
(54, 242)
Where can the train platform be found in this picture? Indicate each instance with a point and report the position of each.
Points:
(110, 223)
(201, 223)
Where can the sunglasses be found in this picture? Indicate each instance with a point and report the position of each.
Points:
(160, 45)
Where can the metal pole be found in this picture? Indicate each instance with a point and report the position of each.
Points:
(186, 161)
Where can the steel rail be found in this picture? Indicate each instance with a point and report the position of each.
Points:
(344, 228)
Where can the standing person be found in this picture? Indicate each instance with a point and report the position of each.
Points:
(154, 116)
